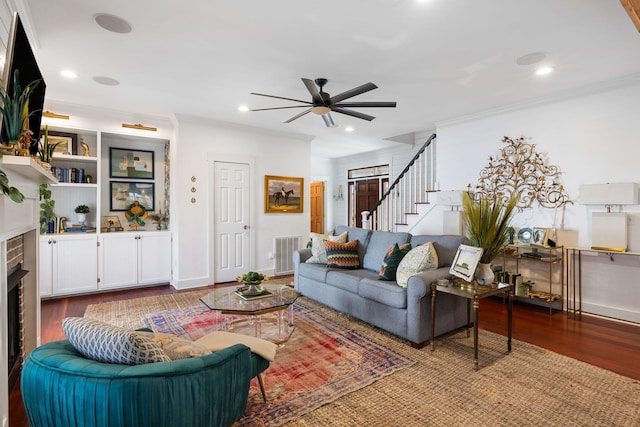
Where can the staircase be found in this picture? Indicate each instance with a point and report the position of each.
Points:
(407, 198)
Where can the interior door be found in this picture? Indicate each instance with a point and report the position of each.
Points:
(367, 195)
(317, 207)
(231, 207)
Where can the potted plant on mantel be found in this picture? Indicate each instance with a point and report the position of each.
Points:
(81, 212)
(15, 113)
(487, 222)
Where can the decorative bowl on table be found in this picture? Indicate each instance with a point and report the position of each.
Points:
(252, 283)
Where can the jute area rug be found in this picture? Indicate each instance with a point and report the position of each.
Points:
(528, 387)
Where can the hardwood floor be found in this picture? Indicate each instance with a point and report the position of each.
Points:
(609, 344)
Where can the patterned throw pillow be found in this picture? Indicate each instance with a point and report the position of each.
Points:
(177, 348)
(392, 260)
(111, 344)
(342, 255)
(318, 252)
(419, 259)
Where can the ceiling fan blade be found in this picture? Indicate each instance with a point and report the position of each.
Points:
(365, 104)
(313, 90)
(281, 97)
(297, 116)
(328, 120)
(352, 92)
(279, 108)
(353, 113)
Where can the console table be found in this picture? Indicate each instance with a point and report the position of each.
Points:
(473, 293)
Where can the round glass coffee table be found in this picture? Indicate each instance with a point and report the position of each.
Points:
(268, 316)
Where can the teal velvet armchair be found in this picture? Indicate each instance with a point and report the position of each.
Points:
(62, 388)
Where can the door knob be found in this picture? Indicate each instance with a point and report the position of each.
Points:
(246, 227)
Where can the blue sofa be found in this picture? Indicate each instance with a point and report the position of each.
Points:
(405, 312)
(62, 388)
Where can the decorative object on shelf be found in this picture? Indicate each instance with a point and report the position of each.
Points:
(136, 214)
(283, 194)
(111, 223)
(47, 208)
(81, 213)
(252, 283)
(159, 219)
(487, 222)
(520, 170)
(124, 193)
(64, 143)
(86, 152)
(539, 236)
(127, 163)
(524, 236)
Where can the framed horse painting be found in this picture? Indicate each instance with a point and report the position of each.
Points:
(283, 194)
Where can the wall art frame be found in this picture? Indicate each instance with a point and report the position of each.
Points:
(283, 194)
(465, 262)
(66, 143)
(128, 163)
(123, 193)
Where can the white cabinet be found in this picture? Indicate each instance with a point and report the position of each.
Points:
(134, 258)
(68, 264)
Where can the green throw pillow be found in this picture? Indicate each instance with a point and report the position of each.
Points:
(392, 260)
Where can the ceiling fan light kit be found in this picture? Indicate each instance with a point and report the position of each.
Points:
(322, 103)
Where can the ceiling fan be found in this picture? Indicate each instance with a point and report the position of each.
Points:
(323, 104)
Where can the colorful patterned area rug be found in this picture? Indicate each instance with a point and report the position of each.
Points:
(321, 362)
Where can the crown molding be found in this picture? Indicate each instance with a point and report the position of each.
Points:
(580, 92)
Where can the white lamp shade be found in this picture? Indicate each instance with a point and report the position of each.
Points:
(609, 194)
(450, 198)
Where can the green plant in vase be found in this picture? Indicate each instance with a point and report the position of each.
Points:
(47, 207)
(81, 212)
(487, 223)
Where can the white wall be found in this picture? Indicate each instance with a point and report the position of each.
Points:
(199, 142)
(593, 139)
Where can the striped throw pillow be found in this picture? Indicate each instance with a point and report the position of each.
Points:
(342, 255)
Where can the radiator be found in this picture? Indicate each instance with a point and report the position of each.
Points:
(283, 248)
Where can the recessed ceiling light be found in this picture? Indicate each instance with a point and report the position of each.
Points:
(69, 74)
(543, 71)
(112, 23)
(531, 58)
(349, 129)
(243, 108)
(107, 81)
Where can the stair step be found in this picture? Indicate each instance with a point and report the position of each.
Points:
(411, 213)
(422, 203)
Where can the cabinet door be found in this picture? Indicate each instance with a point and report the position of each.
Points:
(75, 264)
(45, 266)
(154, 258)
(118, 260)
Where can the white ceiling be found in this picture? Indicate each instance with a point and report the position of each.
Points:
(439, 59)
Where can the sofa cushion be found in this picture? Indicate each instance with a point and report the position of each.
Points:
(391, 261)
(317, 272)
(446, 246)
(348, 280)
(111, 344)
(218, 340)
(386, 293)
(318, 251)
(342, 255)
(360, 234)
(378, 245)
(177, 348)
(420, 258)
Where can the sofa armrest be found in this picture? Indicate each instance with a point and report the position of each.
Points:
(419, 303)
(299, 257)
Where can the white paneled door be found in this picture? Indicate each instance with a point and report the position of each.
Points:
(231, 207)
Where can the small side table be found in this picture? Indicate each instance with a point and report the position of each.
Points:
(473, 293)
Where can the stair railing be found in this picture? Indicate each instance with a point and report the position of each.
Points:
(409, 188)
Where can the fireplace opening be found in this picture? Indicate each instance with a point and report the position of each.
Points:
(14, 322)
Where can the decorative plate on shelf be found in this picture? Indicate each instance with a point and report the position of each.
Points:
(524, 236)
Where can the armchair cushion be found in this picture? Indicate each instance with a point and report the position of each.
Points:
(111, 344)
(218, 340)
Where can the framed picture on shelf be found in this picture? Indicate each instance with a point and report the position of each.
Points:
(539, 236)
(128, 163)
(65, 143)
(110, 221)
(465, 262)
(283, 194)
(123, 193)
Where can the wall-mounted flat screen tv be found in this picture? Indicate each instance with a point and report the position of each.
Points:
(20, 57)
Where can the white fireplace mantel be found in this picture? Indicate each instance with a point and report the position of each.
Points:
(20, 219)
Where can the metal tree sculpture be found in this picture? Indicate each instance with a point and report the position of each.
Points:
(519, 169)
